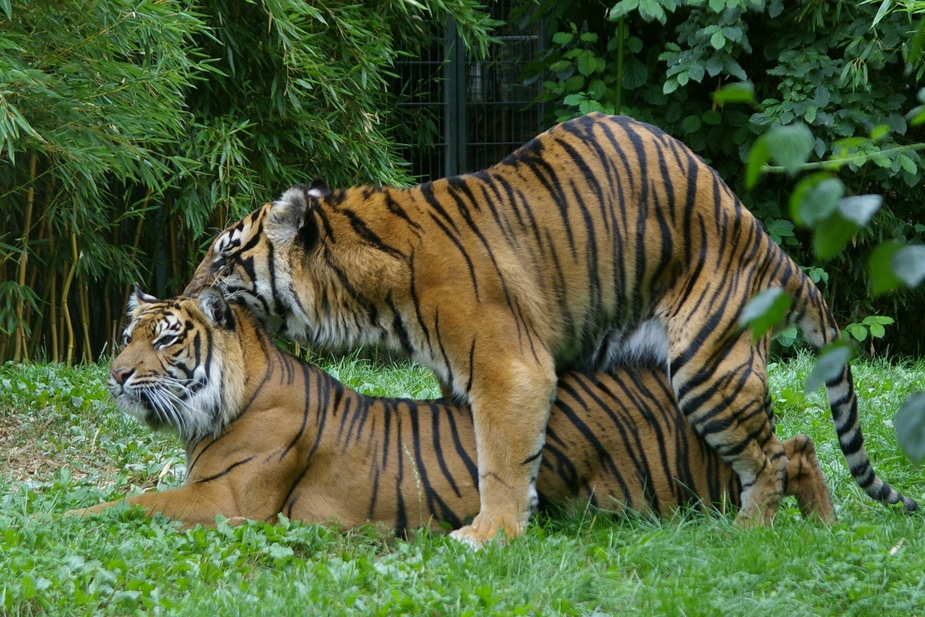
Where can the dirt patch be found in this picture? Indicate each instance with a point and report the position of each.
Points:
(27, 457)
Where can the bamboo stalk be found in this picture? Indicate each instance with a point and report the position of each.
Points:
(85, 320)
(136, 242)
(107, 295)
(174, 258)
(82, 303)
(37, 328)
(55, 356)
(54, 326)
(20, 345)
(48, 298)
(107, 310)
(4, 257)
(64, 309)
(39, 317)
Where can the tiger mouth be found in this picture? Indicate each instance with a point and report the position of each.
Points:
(162, 404)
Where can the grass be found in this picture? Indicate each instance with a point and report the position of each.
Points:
(67, 446)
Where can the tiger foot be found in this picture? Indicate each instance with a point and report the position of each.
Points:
(753, 515)
(483, 530)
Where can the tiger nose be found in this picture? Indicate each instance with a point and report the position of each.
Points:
(120, 375)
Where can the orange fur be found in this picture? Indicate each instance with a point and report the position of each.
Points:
(293, 440)
(601, 242)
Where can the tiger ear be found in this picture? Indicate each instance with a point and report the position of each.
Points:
(319, 188)
(213, 304)
(291, 216)
(137, 299)
(308, 230)
(286, 216)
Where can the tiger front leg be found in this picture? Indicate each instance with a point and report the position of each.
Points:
(189, 504)
(510, 400)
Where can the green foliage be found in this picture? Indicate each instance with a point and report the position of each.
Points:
(767, 309)
(910, 427)
(872, 325)
(818, 203)
(829, 366)
(130, 131)
(727, 76)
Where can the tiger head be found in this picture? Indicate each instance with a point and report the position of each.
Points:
(251, 261)
(180, 363)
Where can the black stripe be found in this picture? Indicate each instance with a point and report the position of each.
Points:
(227, 470)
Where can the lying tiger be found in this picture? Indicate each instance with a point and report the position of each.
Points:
(267, 433)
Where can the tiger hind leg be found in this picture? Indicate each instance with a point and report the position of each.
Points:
(763, 472)
(805, 480)
(725, 402)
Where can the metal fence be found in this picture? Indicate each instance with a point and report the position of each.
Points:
(463, 115)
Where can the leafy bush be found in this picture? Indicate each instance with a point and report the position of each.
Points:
(848, 72)
(130, 131)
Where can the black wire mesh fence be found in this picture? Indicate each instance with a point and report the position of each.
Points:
(460, 115)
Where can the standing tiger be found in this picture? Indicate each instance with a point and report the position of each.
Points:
(267, 433)
(600, 241)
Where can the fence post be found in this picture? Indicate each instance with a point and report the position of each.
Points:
(455, 93)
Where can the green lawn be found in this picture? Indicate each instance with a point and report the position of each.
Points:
(65, 445)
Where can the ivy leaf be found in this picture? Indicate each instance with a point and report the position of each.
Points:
(739, 92)
(832, 236)
(650, 10)
(779, 229)
(909, 425)
(691, 124)
(696, 72)
(815, 199)
(893, 264)
(860, 208)
(622, 8)
(758, 156)
(857, 331)
(635, 73)
(909, 264)
(575, 83)
(597, 89)
(559, 65)
(830, 364)
(766, 310)
(587, 64)
(790, 146)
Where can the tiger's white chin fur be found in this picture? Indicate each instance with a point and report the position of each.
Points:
(192, 412)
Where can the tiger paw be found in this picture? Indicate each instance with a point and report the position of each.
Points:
(483, 530)
(89, 511)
